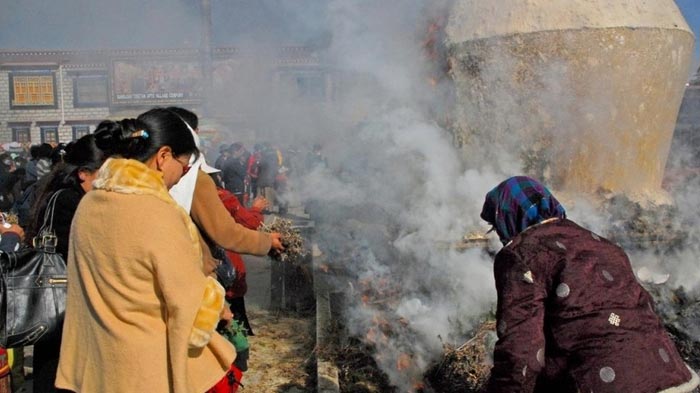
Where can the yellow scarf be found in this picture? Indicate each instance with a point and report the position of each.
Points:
(128, 176)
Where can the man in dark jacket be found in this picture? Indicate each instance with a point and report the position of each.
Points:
(571, 315)
(234, 170)
(224, 154)
(8, 180)
(267, 172)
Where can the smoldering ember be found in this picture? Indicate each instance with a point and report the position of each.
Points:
(374, 130)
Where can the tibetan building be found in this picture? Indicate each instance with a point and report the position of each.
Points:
(59, 95)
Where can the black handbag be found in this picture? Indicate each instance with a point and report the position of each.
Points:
(33, 285)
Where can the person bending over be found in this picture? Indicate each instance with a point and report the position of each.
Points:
(571, 316)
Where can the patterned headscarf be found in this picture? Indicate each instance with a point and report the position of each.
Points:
(516, 204)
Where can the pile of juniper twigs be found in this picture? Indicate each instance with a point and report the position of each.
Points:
(465, 369)
(294, 250)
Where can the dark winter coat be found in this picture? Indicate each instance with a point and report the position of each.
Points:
(66, 205)
(8, 189)
(220, 160)
(572, 317)
(269, 167)
(234, 174)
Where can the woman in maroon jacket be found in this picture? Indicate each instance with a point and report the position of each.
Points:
(571, 315)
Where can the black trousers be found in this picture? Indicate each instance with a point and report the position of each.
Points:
(239, 314)
(45, 365)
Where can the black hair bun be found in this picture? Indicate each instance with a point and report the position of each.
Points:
(108, 135)
(84, 152)
(121, 137)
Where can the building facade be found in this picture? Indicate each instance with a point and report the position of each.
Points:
(59, 96)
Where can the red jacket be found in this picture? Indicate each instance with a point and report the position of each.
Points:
(253, 165)
(572, 317)
(249, 218)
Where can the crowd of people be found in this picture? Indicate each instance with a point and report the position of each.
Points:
(148, 300)
(151, 289)
(264, 171)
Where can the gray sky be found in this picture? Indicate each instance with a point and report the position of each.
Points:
(90, 24)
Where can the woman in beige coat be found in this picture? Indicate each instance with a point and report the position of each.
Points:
(140, 313)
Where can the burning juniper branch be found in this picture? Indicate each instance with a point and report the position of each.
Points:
(293, 242)
(466, 368)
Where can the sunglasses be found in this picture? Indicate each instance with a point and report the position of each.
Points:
(185, 167)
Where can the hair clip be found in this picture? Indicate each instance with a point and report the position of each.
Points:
(140, 134)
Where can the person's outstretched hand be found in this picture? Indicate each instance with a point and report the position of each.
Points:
(260, 203)
(276, 242)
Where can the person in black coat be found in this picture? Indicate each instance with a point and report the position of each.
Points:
(8, 179)
(224, 154)
(267, 173)
(234, 169)
(71, 179)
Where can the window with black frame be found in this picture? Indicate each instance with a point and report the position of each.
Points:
(90, 90)
(49, 134)
(21, 134)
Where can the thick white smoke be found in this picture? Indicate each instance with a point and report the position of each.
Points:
(399, 188)
(395, 162)
(409, 171)
(397, 192)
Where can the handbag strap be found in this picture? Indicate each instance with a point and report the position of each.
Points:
(48, 214)
(46, 236)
